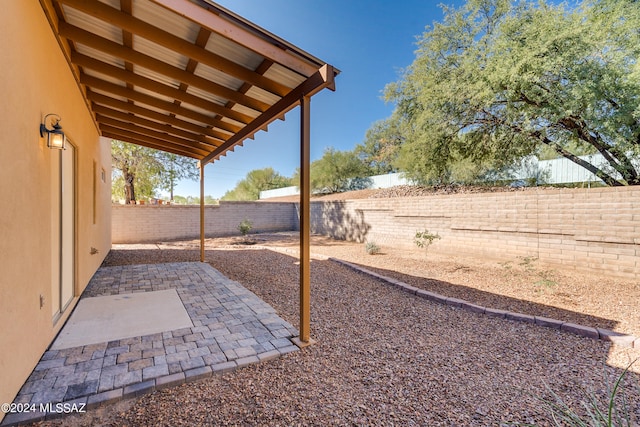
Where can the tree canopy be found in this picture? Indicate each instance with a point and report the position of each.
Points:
(379, 150)
(256, 181)
(336, 171)
(176, 168)
(497, 80)
(140, 172)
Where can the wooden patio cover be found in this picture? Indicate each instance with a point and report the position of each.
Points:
(188, 77)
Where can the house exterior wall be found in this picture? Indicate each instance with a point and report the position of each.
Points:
(36, 80)
(594, 229)
(153, 223)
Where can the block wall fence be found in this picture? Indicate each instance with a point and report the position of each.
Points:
(594, 229)
(588, 229)
(155, 223)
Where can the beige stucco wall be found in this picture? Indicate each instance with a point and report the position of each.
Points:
(36, 80)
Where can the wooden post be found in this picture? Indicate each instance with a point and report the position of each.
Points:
(305, 192)
(201, 165)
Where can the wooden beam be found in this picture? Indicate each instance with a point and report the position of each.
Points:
(249, 39)
(161, 127)
(323, 78)
(177, 44)
(121, 91)
(155, 146)
(160, 135)
(184, 77)
(130, 135)
(159, 88)
(103, 100)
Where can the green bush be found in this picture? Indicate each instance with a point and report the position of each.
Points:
(372, 248)
(245, 226)
(424, 239)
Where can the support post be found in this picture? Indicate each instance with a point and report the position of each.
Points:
(305, 194)
(201, 166)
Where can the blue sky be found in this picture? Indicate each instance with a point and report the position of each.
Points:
(369, 41)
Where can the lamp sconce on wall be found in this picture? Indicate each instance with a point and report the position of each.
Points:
(55, 136)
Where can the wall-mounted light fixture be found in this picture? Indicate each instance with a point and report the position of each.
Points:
(55, 136)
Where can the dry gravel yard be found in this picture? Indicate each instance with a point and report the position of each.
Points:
(385, 357)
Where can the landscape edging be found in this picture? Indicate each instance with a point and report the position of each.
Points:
(616, 338)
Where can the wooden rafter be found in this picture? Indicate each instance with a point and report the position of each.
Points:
(144, 96)
(96, 83)
(160, 127)
(238, 34)
(170, 41)
(128, 131)
(323, 78)
(100, 100)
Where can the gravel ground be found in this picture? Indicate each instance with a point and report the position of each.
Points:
(522, 285)
(382, 357)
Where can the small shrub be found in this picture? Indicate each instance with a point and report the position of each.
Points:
(372, 248)
(245, 226)
(424, 239)
(614, 410)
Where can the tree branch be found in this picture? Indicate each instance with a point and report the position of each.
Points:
(621, 162)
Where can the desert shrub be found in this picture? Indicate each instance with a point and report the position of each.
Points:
(424, 239)
(613, 410)
(245, 226)
(372, 248)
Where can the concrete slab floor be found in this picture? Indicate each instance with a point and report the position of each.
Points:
(104, 319)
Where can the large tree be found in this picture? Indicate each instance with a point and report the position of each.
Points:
(256, 181)
(176, 168)
(140, 172)
(336, 171)
(380, 148)
(498, 80)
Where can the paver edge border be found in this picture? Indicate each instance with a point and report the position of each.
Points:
(136, 390)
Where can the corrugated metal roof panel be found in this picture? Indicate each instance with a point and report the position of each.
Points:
(153, 94)
(160, 17)
(210, 73)
(262, 95)
(95, 25)
(197, 109)
(99, 55)
(112, 3)
(104, 77)
(158, 77)
(284, 76)
(110, 95)
(245, 110)
(206, 95)
(233, 52)
(151, 107)
(160, 53)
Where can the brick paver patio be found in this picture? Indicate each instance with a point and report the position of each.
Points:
(232, 328)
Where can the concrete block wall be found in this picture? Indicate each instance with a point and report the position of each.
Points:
(154, 223)
(590, 229)
(594, 229)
